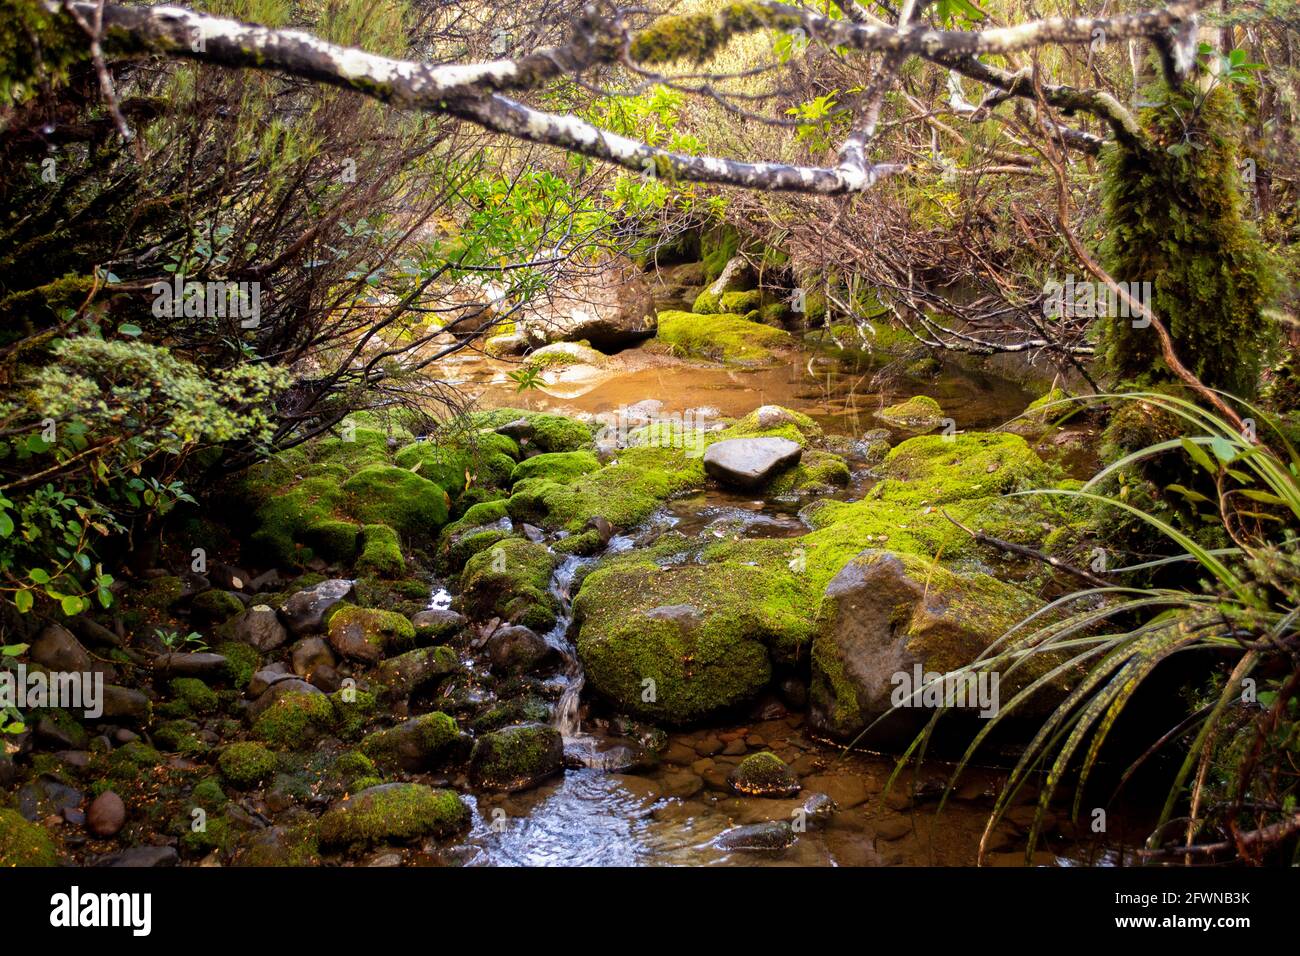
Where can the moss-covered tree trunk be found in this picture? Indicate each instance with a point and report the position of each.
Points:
(1173, 216)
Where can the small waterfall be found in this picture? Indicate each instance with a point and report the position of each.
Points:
(566, 719)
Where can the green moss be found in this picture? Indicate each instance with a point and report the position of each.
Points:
(242, 662)
(511, 580)
(817, 471)
(935, 469)
(354, 710)
(352, 765)
(289, 511)
(740, 303)
(1175, 217)
(161, 593)
(208, 794)
(197, 696)
(445, 466)
(918, 412)
(407, 503)
(773, 421)
(381, 552)
(697, 36)
(395, 812)
(294, 721)
(332, 538)
(731, 339)
(516, 757)
(245, 765)
(556, 466)
(700, 632)
(763, 775)
(23, 843)
(180, 736)
(416, 740)
(388, 631)
(624, 492)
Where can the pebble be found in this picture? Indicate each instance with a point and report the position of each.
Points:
(107, 815)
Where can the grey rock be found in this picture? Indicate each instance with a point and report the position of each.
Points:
(749, 462)
(437, 623)
(124, 703)
(267, 676)
(259, 627)
(141, 856)
(304, 612)
(520, 650)
(311, 653)
(276, 691)
(773, 836)
(106, 815)
(202, 664)
(56, 648)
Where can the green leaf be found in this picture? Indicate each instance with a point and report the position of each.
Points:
(13, 650)
(1198, 455)
(1223, 450)
(126, 328)
(71, 605)
(6, 525)
(23, 600)
(39, 575)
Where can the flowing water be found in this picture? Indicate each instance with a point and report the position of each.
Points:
(609, 808)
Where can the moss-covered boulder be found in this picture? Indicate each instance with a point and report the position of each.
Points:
(886, 615)
(556, 466)
(393, 813)
(419, 743)
(722, 337)
(294, 721)
(406, 502)
(511, 580)
(774, 421)
(246, 764)
(763, 775)
(481, 526)
(215, 607)
(368, 635)
(625, 492)
(935, 469)
(381, 552)
(406, 673)
(919, 413)
(23, 843)
(678, 642)
(516, 758)
(543, 431)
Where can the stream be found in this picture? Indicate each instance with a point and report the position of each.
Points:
(602, 811)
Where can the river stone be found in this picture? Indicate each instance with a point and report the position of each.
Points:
(141, 856)
(123, 703)
(885, 613)
(259, 627)
(393, 813)
(407, 673)
(304, 612)
(56, 649)
(202, 664)
(311, 653)
(749, 462)
(516, 758)
(610, 311)
(107, 814)
(276, 691)
(264, 678)
(763, 775)
(758, 837)
(420, 743)
(437, 624)
(520, 650)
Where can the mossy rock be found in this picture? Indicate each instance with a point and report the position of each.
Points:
(817, 472)
(295, 721)
(381, 552)
(196, 696)
(723, 337)
(680, 642)
(416, 744)
(162, 593)
(369, 634)
(556, 466)
(388, 495)
(23, 843)
(444, 466)
(773, 421)
(242, 662)
(406, 673)
(288, 510)
(180, 736)
(516, 758)
(511, 580)
(215, 607)
(333, 539)
(936, 469)
(624, 492)
(763, 775)
(547, 432)
(246, 764)
(919, 413)
(393, 813)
